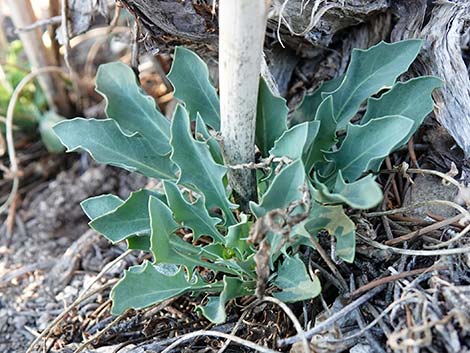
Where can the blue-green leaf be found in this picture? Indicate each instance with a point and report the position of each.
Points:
(145, 285)
(130, 218)
(368, 72)
(365, 144)
(334, 220)
(296, 284)
(285, 188)
(197, 167)
(97, 206)
(202, 134)
(362, 194)
(192, 215)
(127, 104)
(271, 118)
(234, 287)
(294, 142)
(411, 99)
(307, 110)
(190, 78)
(107, 143)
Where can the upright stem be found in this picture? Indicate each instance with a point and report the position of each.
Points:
(241, 35)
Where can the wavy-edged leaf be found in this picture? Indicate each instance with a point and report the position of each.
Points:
(130, 218)
(367, 143)
(326, 136)
(127, 104)
(294, 281)
(237, 237)
(168, 248)
(334, 220)
(203, 135)
(107, 143)
(192, 215)
(307, 110)
(145, 285)
(197, 166)
(285, 188)
(294, 143)
(271, 118)
(97, 206)
(370, 71)
(190, 78)
(234, 287)
(362, 194)
(411, 99)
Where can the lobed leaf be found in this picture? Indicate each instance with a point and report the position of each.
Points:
(192, 215)
(197, 167)
(190, 78)
(271, 118)
(234, 287)
(411, 99)
(145, 285)
(296, 284)
(334, 220)
(107, 143)
(285, 188)
(365, 144)
(128, 219)
(368, 72)
(362, 194)
(294, 142)
(130, 107)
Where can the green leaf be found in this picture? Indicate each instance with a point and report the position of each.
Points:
(271, 118)
(192, 215)
(130, 218)
(190, 78)
(326, 136)
(285, 188)
(237, 237)
(202, 134)
(367, 143)
(48, 137)
(144, 285)
(214, 310)
(307, 110)
(197, 166)
(292, 143)
(168, 248)
(334, 220)
(296, 284)
(138, 242)
(133, 110)
(411, 99)
(362, 194)
(108, 144)
(97, 206)
(370, 71)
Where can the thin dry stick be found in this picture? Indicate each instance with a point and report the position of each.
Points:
(424, 230)
(450, 241)
(77, 301)
(333, 318)
(392, 278)
(408, 252)
(9, 129)
(236, 339)
(101, 333)
(235, 328)
(414, 206)
(291, 315)
(330, 263)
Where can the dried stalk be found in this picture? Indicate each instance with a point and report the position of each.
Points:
(242, 26)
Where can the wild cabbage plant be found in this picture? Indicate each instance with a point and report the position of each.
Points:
(312, 166)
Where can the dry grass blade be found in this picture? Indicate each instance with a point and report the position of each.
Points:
(235, 339)
(77, 301)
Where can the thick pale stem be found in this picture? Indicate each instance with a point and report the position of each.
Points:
(242, 26)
